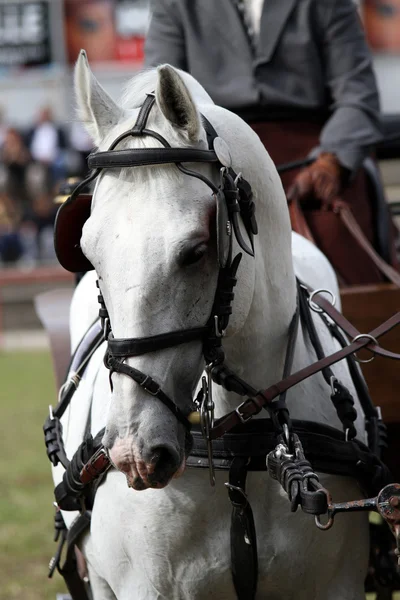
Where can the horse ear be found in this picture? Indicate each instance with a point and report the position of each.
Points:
(97, 111)
(176, 103)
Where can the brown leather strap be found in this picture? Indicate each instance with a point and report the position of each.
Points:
(252, 406)
(298, 220)
(98, 464)
(347, 218)
(348, 328)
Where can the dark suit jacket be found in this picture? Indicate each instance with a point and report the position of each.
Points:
(311, 56)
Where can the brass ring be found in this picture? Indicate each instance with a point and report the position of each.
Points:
(372, 339)
(314, 306)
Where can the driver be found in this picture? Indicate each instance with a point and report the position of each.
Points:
(300, 73)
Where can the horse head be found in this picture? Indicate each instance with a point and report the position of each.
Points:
(151, 237)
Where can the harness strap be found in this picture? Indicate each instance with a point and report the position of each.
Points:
(254, 405)
(79, 589)
(136, 346)
(244, 561)
(148, 384)
(341, 397)
(324, 446)
(352, 332)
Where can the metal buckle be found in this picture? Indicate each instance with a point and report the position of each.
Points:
(218, 332)
(148, 390)
(242, 418)
(207, 421)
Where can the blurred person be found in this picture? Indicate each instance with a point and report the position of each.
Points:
(15, 158)
(89, 24)
(300, 73)
(37, 228)
(3, 127)
(11, 247)
(46, 142)
(300, 62)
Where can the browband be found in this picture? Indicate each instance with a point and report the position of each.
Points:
(140, 157)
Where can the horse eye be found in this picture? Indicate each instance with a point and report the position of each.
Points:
(192, 256)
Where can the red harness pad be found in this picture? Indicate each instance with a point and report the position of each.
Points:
(70, 220)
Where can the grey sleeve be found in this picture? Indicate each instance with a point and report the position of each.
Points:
(165, 42)
(355, 125)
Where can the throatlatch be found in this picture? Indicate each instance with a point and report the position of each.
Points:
(291, 451)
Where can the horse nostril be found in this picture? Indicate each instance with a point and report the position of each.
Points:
(165, 460)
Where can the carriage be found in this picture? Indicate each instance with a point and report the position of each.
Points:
(189, 278)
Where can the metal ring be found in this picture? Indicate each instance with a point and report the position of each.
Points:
(314, 306)
(237, 489)
(320, 525)
(372, 339)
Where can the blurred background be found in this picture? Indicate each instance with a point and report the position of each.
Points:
(41, 144)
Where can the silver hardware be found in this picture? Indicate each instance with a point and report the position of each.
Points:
(218, 332)
(222, 172)
(106, 327)
(239, 414)
(332, 381)
(228, 228)
(144, 383)
(237, 489)
(51, 412)
(75, 380)
(286, 433)
(238, 177)
(282, 451)
(346, 434)
(314, 306)
(370, 337)
(207, 421)
(378, 410)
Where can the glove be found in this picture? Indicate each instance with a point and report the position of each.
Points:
(323, 180)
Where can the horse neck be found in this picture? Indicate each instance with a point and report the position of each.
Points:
(257, 352)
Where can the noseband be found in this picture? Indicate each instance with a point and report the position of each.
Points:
(233, 199)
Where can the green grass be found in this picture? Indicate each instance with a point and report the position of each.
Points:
(26, 491)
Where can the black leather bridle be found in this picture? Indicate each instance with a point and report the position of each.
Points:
(233, 199)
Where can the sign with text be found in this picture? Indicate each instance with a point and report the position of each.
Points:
(24, 34)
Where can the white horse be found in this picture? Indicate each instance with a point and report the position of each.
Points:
(174, 543)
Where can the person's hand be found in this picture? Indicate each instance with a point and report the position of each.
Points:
(322, 180)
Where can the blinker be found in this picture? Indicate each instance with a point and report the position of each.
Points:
(71, 217)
